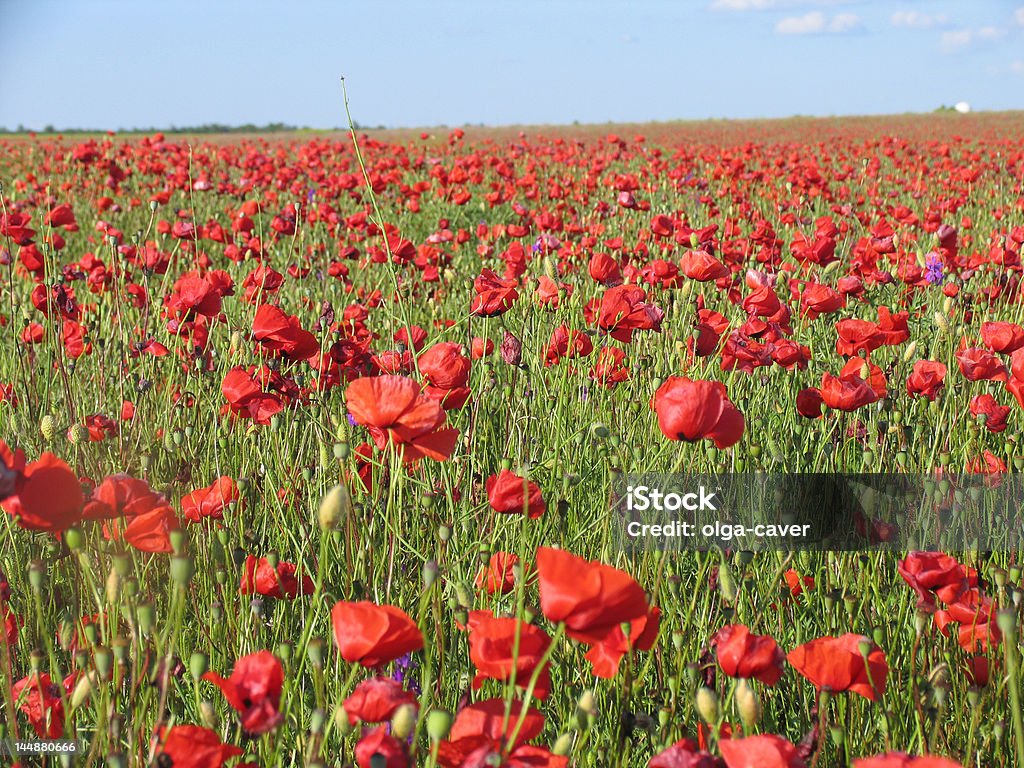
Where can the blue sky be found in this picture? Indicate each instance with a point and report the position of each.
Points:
(139, 63)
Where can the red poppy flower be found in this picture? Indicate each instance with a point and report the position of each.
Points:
(568, 343)
(210, 502)
(395, 411)
(836, 663)
(376, 699)
(246, 397)
(494, 296)
(606, 655)
(493, 650)
(742, 654)
(380, 742)
(510, 494)
(498, 577)
(133, 512)
(189, 746)
(373, 634)
(259, 577)
(623, 310)
(978, 364)
(926, 379)
(994, 415)
(934, 574)
(445, 366)
(48, 498)
(254, 689)
(846, 393)
(604, 269)
(809, 402)
(818, 299)
(1005, 338)
(482, 728)
(856, 335)
(282, 334)
(692, 410)
(591, 598)
(762, 751)
(702, 266)
(40, 701)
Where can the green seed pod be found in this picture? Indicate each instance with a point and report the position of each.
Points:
(78, 434)
(315, 652)
(145, 615)
(707, 706)
(439, 723)
(74, 538)
(103, 659)
(335, 507)
(403, 723)
(48, 427)
(182, 570)
(198, 664)
(748, 704)
(37, 575)
(563, 744)
(316, 721)
(430, 571)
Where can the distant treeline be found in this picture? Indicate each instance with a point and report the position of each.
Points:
(205, 128)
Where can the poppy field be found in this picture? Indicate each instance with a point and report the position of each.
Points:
(308, 444)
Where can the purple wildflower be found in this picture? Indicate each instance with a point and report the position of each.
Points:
(933, 269)
(351, 419)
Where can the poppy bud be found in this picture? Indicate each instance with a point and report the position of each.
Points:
(341, 721)
(74, 538)
(178, 539)
(316, 721)
(207, 714)
(430, 571)
(113, 586)
(182, 570)
(48, 427)
(335, 507)
(83, 689)
(198, 664)
(36, 574)
(315, 652)
(439, 723)
(941, 322)
(1006, 620)
(748, 704)
(78, 434)
(464, 594)
(707, 706)
(511, 349)
(838, 735)
(403, 723)
(104, 660)
(726, 583)
(563, 745)
(145, 615)
(117, 760)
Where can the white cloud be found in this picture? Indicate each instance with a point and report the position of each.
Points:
(955, 40)
(1018, 16)
(816, 23)
(765, 5)
(742, 5)
(1017, 67)
(918, 20)
(959, 39)
(843, 23)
